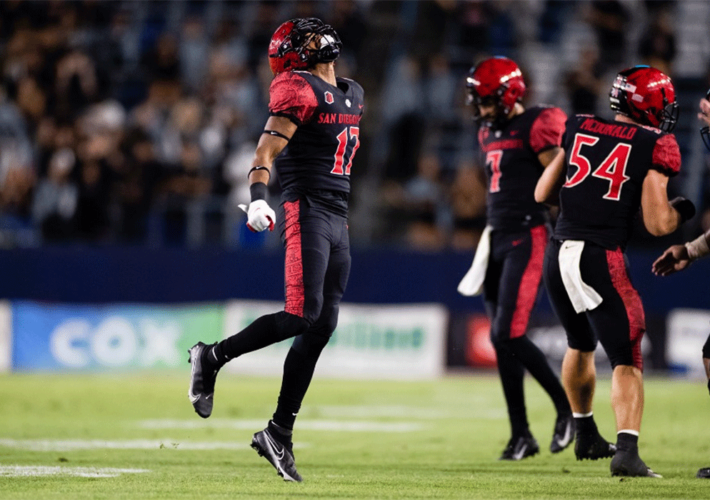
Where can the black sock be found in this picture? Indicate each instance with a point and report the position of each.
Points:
(281, 434)
(586, 425)
(536, 363)
(511, 376)
(627, 442)
(212, 357)
(297, 376)
(259, 334)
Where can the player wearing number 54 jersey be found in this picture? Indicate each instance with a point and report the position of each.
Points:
(517, 145)
(612, 168)
(310, 138)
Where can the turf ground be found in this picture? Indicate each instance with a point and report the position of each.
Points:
(134, 437)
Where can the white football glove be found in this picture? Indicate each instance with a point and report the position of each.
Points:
(259, 216)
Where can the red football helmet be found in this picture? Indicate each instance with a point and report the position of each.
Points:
(302, 43)
(496, 81)
(645, 95)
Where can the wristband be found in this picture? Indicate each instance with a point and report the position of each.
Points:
(259, 167)
(697, 248)
(258, 191)
(684, 207)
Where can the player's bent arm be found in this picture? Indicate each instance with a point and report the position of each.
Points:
(551, 180)
(270, 146)
(659, 217)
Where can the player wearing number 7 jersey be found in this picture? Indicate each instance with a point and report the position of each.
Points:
(612, 168)
(310, 138)
(517, 145)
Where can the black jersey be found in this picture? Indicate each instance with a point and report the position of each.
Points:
(607, 162)
(513, 168)
(320, 154)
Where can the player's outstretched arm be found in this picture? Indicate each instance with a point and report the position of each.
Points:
(548, 186)
(674, 259)
(276, 135)
(678, 257)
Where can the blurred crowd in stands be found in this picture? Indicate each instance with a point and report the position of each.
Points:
(135, 122)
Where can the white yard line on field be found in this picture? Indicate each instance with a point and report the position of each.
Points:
(40, 470)
(129, 444)
(313, 425)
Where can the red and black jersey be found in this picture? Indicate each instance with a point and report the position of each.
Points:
(513, 168)
(319, 156)
(607, 162)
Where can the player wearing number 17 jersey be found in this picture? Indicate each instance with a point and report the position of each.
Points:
(612, 168)
(310, 138)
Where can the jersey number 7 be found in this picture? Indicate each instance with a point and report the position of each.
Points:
(348, 142)
(612, 169)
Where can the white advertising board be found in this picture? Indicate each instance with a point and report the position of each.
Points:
(687, 331)
(371, 341)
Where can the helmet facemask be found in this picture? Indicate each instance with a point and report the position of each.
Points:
(312, 41)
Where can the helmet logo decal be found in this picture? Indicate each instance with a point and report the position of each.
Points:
(329, 98)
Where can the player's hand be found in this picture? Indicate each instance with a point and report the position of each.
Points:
(673, 260)
(260, 216)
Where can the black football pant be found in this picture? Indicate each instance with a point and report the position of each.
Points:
(317, 266)
(316, 274)
(511, 288)
(618, 322)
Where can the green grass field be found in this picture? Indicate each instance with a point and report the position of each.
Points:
(355, 439)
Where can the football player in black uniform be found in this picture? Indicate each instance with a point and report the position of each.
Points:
(678, 257)
(612, 169)
(311, 137)
(517, 144)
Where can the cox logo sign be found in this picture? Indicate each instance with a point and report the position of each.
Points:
(115, 342)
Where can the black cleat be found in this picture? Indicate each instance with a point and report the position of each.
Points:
(519, 448)
(628, 463)
(201, 391)
(563, 434)
(703, 473)
(277, 454)
(593, 447)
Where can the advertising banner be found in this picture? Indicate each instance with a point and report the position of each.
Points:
(687, 331)
(371, 341)
(90, 337)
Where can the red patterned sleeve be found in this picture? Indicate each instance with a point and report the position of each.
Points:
(547, 130)
(666, 155)
(291, 96)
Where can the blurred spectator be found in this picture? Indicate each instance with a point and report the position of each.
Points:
(417, 205)
(467, 195)
(584, 83)
(609, 18)
(56, 198)
(658, 45)
(552, 21)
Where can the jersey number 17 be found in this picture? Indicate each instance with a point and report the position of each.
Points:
(348, 142)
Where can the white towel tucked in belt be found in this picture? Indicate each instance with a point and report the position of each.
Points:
(472, 283)
(582, 296)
